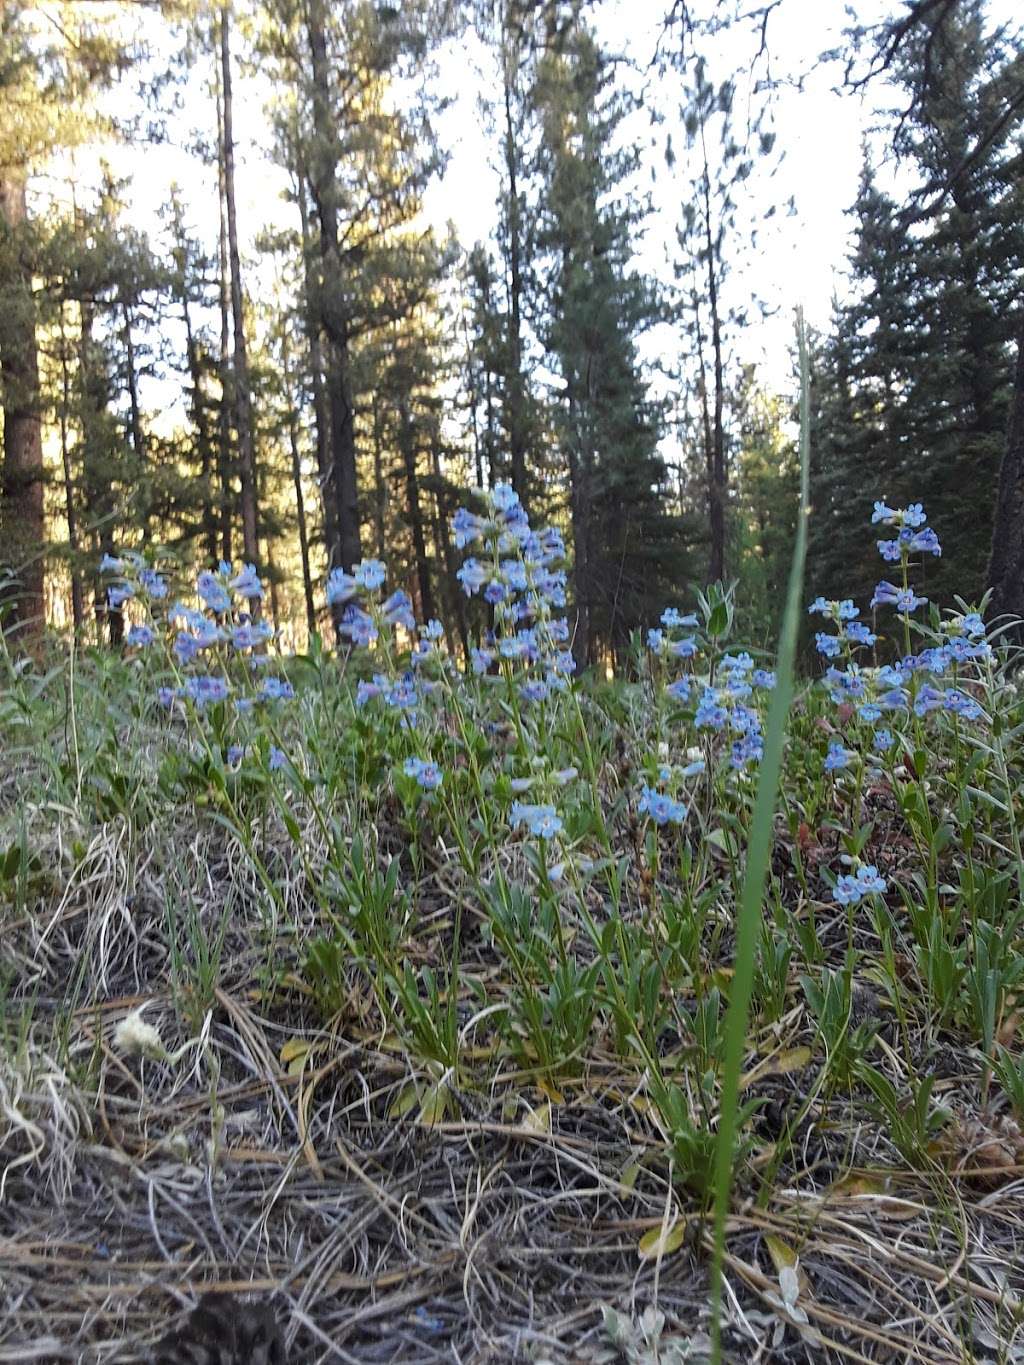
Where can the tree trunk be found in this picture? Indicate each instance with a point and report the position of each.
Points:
(203, 436)
(581, 511)
(22, 513)
(300, 502)
(96, 458)
(1006, 565)
(224, 460)
(516, 397)
(77, 602)
(240, 374)
(141, 481)
(717, 489)
(321, 419)
(332, 311)
(407, 441)
(455, 600)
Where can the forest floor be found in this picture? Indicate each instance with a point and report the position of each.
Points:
(290, 1135)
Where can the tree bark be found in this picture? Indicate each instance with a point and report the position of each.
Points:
(22, 512)
(325, 469)
(240, 369)
(224, 460)
(332, 312)
(300, 501)
(96, 456)
(70, 511)
(1006, 564)
(516, 395)
(717, 470)
(142, 486)
(407, 442)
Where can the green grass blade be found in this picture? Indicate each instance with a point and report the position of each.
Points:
(748, 927)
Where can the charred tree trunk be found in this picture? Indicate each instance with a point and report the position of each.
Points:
(22, 513)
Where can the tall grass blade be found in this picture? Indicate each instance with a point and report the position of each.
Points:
(748, 927)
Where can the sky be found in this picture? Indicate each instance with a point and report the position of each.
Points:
(799, 259)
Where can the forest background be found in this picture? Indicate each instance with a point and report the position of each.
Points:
(281, 280)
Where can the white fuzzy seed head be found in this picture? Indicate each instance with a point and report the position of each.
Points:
(136, 1038)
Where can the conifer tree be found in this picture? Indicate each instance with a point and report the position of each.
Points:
(627, 551)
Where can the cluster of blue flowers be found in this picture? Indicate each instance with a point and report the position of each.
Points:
(222, 631)
(939, 678)
(522, 578)
(914, 683)
(851, 889)
(365, 616)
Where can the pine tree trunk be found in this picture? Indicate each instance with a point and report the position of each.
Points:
(407, 441)
(70, 511)
(203, 436)
(455, 601)
(321, 419)
(240, 375)
(225, 463)
(101, 506)
(143, 507)
(717, 489)
(300, 502)
(581, 509)
(22, 514)
(1006, 565)
(516, 397)
(330, 297)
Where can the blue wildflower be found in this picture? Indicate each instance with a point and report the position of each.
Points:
(837, 757)
(277, 759)
(685, 648)
(427, 774)
(119, 593)
(204, 689)
(277, 689)
(369, 574)
(213, 592)
(397, 610)
(341, 588)
(152, 584)
(472, 575)
(542, 821)
(672, 617)
(141, 637)
(679, 690)
(883, 740)
(246, 583)
(533, 691)
(662, 809)
(829, 645)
